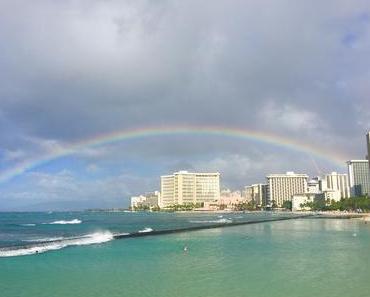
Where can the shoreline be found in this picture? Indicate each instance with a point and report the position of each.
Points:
(337, 215)
(328, 214)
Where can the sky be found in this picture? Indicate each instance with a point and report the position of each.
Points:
(71, 71)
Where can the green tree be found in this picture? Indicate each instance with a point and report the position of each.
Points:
(287, 205)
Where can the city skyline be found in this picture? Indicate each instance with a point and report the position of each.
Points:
(202, 190)
(79, 80)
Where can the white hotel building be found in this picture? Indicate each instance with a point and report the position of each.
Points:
(187, 187)
(282, 187)
(150, 200)
(337, 182)
(256, 193)
(368, 147)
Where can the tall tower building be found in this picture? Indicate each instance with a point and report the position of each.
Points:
(338, 182)
(359, 180)
(281, 187)
(256, 193)
(368, 147)
(186, 187)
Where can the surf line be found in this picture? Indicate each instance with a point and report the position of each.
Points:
(203, 227)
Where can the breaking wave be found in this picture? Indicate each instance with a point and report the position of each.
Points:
(27, 225)
(47, 239)
(220, 221)
(50, 244)
(146, 230)
(62, 222)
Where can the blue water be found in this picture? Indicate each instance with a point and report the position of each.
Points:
(26, 229)
(301, 257)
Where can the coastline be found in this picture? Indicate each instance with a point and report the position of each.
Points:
(337, 215)
(328, 214)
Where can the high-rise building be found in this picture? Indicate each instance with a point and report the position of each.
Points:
(331, 195)
(313, 186)
(186, 187)
(151, 199)
(281, 187)
(167, 190)
(256, 193)
(359, 181)
(368, 147)
(337, 182)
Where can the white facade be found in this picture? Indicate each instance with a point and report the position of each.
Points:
(150, 200)
(313, 186)
(186, 187)
(358, 175)
(281, 187)
(137, 200)
(299, 200)
(368, 147)
(167, 190)
(338, 182)
(256, 193)
(332, 195)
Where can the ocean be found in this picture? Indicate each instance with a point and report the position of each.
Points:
(75, 254)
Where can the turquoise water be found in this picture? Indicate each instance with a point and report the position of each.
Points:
(303, 257)
(62, 229)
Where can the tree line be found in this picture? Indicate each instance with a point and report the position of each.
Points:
(358, 204)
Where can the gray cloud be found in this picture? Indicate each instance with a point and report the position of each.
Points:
(72, 70)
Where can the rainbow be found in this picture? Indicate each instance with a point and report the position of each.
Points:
(125, 135)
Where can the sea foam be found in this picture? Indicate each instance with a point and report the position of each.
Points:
(146, 230)
(62, 222)
(50, 245)
(220, 221)
(46, 239)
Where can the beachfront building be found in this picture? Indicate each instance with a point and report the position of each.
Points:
(256, 193)
(282, 187)
(368, 148)
(313, 186)
(230, 198)
(188, 187)
(337, 182)
(331, 195)
(147, 200)
(137, 201)
(358, 175)
(299, 201)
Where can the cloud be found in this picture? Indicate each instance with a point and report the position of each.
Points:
(109, 65)
(92, 168)
(74, 70)
(290, 118)
(13, 155)
(65, 190)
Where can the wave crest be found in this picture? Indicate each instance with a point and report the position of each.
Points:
(62, 222)
(50, 244)
(220, 221)
(146, 230)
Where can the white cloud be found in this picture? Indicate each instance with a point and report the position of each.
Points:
(13, 155)
(240, 170)
(286, 117)
(92, 168)
(66, 190)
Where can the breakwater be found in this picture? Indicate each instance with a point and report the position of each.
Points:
(203, 227)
